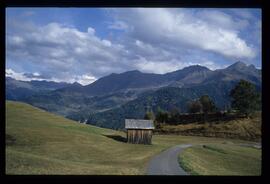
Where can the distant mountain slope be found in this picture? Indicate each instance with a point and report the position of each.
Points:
(190, 75)
(72, 104)
(186, 77)
(237, 71)
(166, 98)
(19, 90)
(121, 82)
(117, 94)
(141, 82)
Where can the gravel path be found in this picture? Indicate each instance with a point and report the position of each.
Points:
(166, 163)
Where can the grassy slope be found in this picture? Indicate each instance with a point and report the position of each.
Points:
(38, 142)
(221, 159)
(247, 129)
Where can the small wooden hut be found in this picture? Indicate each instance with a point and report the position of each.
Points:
(139, 131)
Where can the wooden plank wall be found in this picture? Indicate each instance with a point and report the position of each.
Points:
(139, 136)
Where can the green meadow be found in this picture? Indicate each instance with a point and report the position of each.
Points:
(38, 142)
(221, 159)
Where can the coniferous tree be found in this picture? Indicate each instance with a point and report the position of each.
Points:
(245, 98)
(149, 115)
(162, 116)
(195, 107)
(207, 104)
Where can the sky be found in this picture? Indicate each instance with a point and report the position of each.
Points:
(85, 44)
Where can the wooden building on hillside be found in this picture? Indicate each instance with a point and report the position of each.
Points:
(139, 131)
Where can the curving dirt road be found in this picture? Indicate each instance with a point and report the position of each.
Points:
(166, 163)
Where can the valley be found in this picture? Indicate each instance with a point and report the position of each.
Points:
(108, 100)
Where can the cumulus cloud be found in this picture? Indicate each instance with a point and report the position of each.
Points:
(36, 75)
(157, 66)
(63, 49)
(85, 79)
(16, 75)
(222, 20)
(243, 13)
(25, 76)
(155, 40)
(212, 31)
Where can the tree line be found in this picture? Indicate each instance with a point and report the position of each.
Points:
(244, 101)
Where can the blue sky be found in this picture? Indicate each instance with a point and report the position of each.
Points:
(84, 44)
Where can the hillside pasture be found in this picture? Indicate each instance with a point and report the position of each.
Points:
(38, 142)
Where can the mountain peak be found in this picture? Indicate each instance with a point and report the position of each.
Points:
(76, 84)
(237, 65)
(127, 72)
(195, 68)
(243, 68)
(252, 66)
(133, 71)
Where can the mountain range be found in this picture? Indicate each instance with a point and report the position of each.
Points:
(19, 90)
(109, 100)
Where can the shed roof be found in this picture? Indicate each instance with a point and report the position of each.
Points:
(139, 124)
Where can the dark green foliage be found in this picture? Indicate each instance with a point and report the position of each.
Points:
(245, 98)
(174, 114)
(216, 117)
(162, 116)
(195, 107)
(174, 110)
(149, 115)
(207, 104)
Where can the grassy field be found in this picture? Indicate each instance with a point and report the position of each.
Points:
(245, 128)
(38, 142)
(221, 159)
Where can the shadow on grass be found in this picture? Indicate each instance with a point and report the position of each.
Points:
(10, 140)
(116, 137)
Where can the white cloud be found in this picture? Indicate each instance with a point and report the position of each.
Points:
(64, 49)
(154, 40)
(91, 31)
(243, 13)
(21, 75)
(36, 74)
(16, 75)
(175, 28)
(158, 67)
(85, 79)
(16, 40)
(107, 43)
(222, 20)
